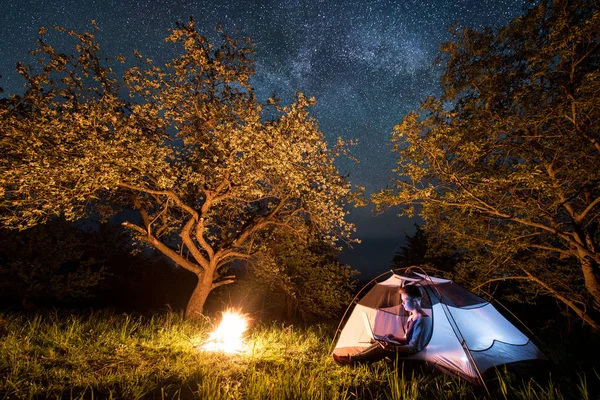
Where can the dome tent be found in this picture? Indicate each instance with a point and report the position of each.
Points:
(469, 335)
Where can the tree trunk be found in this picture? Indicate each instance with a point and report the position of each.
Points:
(290, 309)
(195, 305)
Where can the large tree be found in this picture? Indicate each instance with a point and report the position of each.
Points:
(207, 167)
(506, 162)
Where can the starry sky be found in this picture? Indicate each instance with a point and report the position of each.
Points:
(367, 62)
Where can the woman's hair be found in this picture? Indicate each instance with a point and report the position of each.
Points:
(411, 291)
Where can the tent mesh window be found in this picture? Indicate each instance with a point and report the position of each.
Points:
(456, 296)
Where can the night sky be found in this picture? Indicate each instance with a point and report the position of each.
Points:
(366, 62)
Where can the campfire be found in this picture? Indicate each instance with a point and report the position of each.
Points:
(228, 337)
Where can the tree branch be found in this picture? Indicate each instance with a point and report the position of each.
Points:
(550, 248)
(261, 223)
(171, 194)
(589, 208)
(200, 238)
(160, 246)
(502, 279)
(226, 254)
(581, 313)
(222, 283)
(499, 215)
(145, 217)
(189, 243)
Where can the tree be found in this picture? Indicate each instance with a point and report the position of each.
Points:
(50, 262)
(206, 166)
(420, 250)
(506, 162)
(301, 279)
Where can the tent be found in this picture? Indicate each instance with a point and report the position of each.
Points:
(469, 335)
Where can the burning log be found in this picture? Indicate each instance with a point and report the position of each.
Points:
(228, 337)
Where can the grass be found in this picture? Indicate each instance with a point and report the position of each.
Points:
(110, 356)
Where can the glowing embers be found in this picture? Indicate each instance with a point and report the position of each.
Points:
(229, 335)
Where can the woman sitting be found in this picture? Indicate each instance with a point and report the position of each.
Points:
(417, 334)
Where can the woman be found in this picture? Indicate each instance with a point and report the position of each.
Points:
(419, 328)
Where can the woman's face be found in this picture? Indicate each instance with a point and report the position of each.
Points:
(409, 303)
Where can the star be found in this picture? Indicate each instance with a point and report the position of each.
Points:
(367, 63)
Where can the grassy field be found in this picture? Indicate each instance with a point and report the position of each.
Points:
(104, 356)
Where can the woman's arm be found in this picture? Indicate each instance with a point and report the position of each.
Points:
(392, 337)
(421, 330)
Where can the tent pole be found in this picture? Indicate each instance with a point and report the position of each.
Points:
(463, 342)
(353, 302)
(515, 317)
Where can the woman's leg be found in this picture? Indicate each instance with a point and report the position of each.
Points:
(373, 353)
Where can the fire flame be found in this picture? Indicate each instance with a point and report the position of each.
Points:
(229, 335)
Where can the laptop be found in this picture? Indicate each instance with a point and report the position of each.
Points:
(373, 336)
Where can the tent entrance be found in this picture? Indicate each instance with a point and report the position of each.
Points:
(469, 335)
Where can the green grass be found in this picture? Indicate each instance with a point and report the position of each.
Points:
(104, 356)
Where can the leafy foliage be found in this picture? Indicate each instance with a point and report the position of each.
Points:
(506, 163)
(421, 251)
(49, 263)
(298, 280)
(207, 167)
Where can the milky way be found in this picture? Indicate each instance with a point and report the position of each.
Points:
(367, 63)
